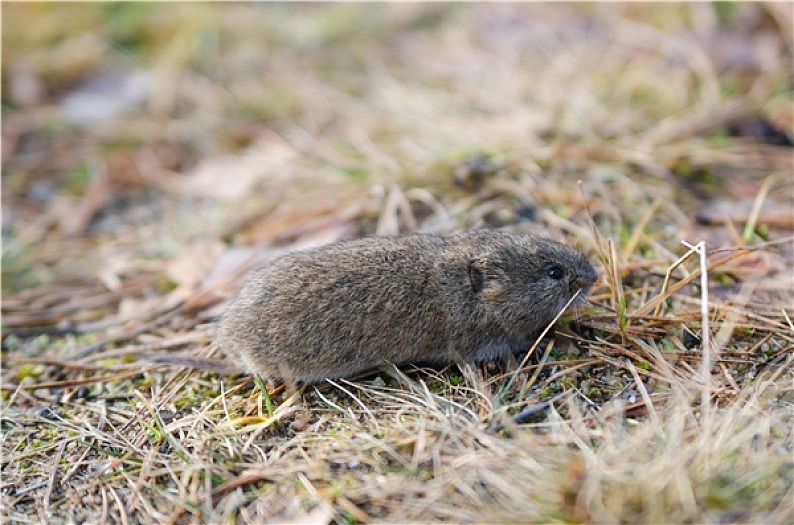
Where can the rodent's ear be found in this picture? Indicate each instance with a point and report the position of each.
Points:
(486, 277)
(476, 276)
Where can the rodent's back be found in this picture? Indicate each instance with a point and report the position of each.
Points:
(335, 310)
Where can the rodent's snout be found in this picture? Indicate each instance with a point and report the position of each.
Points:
(587, 278)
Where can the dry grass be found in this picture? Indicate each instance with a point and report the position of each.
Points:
(254, 129)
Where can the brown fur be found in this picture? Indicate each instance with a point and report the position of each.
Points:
(349, 307)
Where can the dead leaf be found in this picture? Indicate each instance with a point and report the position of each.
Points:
(98, 193)
(232, 177)
(190, 269)
(106, 96)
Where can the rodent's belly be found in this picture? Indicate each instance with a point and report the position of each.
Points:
(498, 348)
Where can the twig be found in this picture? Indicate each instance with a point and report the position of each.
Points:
(752, 220)
(705, 338)
(656, 301)
(640, 227)
(755, 247)
(538, 340)
(538, 369)
(788, 319)
(160, 317)
(75, 382)
(529, 412)
(667, 275)
(53, 477)
(644, 394)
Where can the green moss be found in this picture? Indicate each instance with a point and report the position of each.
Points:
(349, 519)
(78, 179)
(725, 11)
(29, 370)
(721, 139)
(456, 380)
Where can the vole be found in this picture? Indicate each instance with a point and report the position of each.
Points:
(349, 307)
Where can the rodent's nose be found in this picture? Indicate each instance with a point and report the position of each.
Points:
(588, 278)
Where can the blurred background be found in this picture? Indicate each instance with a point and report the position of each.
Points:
(145, 143)
(152, 153)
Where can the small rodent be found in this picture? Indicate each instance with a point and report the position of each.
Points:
(352, 306)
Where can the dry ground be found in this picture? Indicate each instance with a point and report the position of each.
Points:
(154, 153)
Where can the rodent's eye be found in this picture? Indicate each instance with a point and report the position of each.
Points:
(555, 272)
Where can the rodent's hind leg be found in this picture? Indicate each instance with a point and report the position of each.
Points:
(525, 344)
(495, 350)
(291, 383)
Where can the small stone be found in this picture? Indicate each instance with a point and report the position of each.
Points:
(299, 425)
